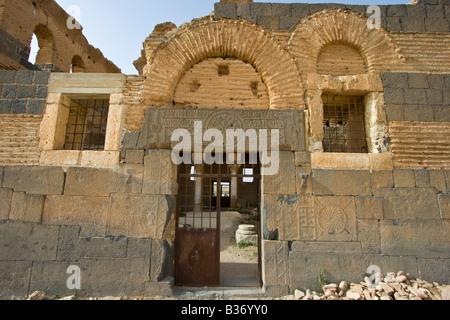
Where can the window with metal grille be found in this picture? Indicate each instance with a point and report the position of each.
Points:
(86, 127)
(344, 124)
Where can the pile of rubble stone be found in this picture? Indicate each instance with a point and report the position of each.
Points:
(393, 286)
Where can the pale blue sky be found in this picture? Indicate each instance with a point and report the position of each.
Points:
(118, 28)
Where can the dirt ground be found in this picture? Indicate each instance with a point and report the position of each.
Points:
(238, 266)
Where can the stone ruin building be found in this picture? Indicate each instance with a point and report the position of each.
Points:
(87, 178)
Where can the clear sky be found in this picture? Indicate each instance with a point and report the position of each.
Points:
(118, 28)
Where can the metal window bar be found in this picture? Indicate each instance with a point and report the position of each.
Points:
(86, 127)
(344, 124)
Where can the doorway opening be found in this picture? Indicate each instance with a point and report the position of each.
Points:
(218, 229)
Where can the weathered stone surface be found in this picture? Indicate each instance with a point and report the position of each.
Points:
(437, 180)
(404, 178)
(369, 236)
(341, 182)
(369, 207)
(437, 270)
(5, 200)
(141, 216)
(282, 183)
(27, 242)
(34, 180)
(134, 156)
(410, 203)
(290, 217)
(90, 182)
(162, 256)
(276, 263)
(421, 238)
(26, 207)
(14, 279)
(336, 218)
(160, 173)
(422, 178)
(88, 212)
(160, 123)
(330, 247)
(444, 206)
(159, 289)
(129, 178)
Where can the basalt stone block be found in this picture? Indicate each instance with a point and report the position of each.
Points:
(113, 277)
(341, 182)
(34, 180)
(420, 238)
(51, 278)
(398, 80)
(14, 279)
(27, 242)
(436, 270)
(410, 203)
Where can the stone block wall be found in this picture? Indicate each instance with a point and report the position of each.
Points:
(343, 221)
(101, 220)
(285, 16)
(417, 107)
(23, 97)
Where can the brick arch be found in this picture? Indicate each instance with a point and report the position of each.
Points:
(227, 39)
(314, 32)
(46, 43)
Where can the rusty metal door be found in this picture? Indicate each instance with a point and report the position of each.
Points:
(202, 189)
(197, 247)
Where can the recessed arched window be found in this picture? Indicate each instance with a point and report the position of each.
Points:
(340, 59)
(45, 43)
(77, 65)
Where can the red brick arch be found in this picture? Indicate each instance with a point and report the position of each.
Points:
(342, 26)
(223, 38)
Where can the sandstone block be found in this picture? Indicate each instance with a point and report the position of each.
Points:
(381, 179)
(444, 206)
(283, 182)
(160, 173)
(140, 216)
(26, 207)
(90, 182)
(34, 180)
(422, 178)
(5, 200)
(420, 238)
(276, 263)
(410, 203)
(437, 180)
(341, 182)
(322, 246)
(369, 236)
(88, 212)
(129, 178)
(404, 178)
(369, 207)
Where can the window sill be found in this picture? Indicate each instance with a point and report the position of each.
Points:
(352, 161)
(96, 159)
